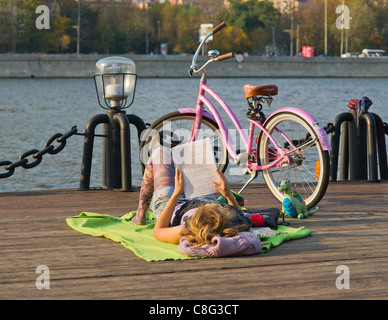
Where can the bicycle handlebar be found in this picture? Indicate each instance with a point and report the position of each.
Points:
(194, 68)
(225, 56)
(219, 27)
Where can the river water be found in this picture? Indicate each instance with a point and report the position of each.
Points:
(32, 110)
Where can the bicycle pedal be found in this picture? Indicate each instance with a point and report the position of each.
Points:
(246, 171)
(241, 159)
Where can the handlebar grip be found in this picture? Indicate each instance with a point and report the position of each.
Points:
(219, 27)
(225, 56)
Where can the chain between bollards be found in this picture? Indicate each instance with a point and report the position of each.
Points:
(36, 154)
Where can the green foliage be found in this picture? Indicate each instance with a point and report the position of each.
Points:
(368, 26)
(232, 37)
(252, 21)
(58, 39)
(249, 15)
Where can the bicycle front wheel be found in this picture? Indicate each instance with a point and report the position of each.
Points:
(306, 165)
(174, 129)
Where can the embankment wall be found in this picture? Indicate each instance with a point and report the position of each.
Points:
(71, 66)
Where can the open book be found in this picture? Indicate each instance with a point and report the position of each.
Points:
(197, 163)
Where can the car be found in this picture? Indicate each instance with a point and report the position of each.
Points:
(373, 53)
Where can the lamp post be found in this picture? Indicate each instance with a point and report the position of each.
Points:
(289, 6)
(78, 25)
(115, 82)
(292, 33)
(325, 27)
(146, 27)
(342, 34)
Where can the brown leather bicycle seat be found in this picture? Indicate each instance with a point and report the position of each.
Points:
(266, 90)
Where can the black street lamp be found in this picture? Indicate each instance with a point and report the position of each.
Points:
(115, 82)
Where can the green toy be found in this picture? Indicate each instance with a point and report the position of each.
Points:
(293, 205)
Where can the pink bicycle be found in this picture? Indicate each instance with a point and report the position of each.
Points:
(290, 143)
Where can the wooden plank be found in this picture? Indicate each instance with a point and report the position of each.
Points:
(33, 231)
(298, 281)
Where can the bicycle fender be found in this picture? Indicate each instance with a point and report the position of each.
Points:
(193, 110)
(321, 133)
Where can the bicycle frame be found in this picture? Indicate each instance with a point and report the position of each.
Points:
(247, 141)
(308, 170)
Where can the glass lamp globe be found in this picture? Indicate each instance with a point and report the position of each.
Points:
(115, 81)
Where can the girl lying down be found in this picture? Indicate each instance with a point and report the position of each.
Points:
(201, 226)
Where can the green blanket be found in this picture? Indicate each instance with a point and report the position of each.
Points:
(141, 241)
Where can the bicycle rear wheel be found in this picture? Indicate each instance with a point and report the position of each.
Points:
(308, 168)
(174, 129)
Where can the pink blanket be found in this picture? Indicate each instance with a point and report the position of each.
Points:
(244, 243)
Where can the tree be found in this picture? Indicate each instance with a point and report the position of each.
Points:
(188, 20)
(122, 27)
(176, 25)
(360, 27)
(9, 25)
(367, 20)
(109, 36)
(88, 35)
(253, 18)
(379, 27)
(58, 39)
(64, 42)
(131, 36)
(311, 21)
(168, 28)
(233, 39)
(244, 14)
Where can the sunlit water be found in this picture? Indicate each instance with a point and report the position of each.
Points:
(32, 110)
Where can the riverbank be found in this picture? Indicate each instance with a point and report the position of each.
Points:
(176, 66)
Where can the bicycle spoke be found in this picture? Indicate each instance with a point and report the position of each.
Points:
(301, 145)
(175, 129)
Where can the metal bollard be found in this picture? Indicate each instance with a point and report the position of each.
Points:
(335, 138)
(381, 147)
(117, 171)
(86, 166)
(363, 147)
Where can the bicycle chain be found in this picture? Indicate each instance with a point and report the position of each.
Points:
(36, 154)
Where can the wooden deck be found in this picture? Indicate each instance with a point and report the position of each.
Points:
(350, 229)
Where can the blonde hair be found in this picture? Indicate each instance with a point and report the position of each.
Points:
(208, 221)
